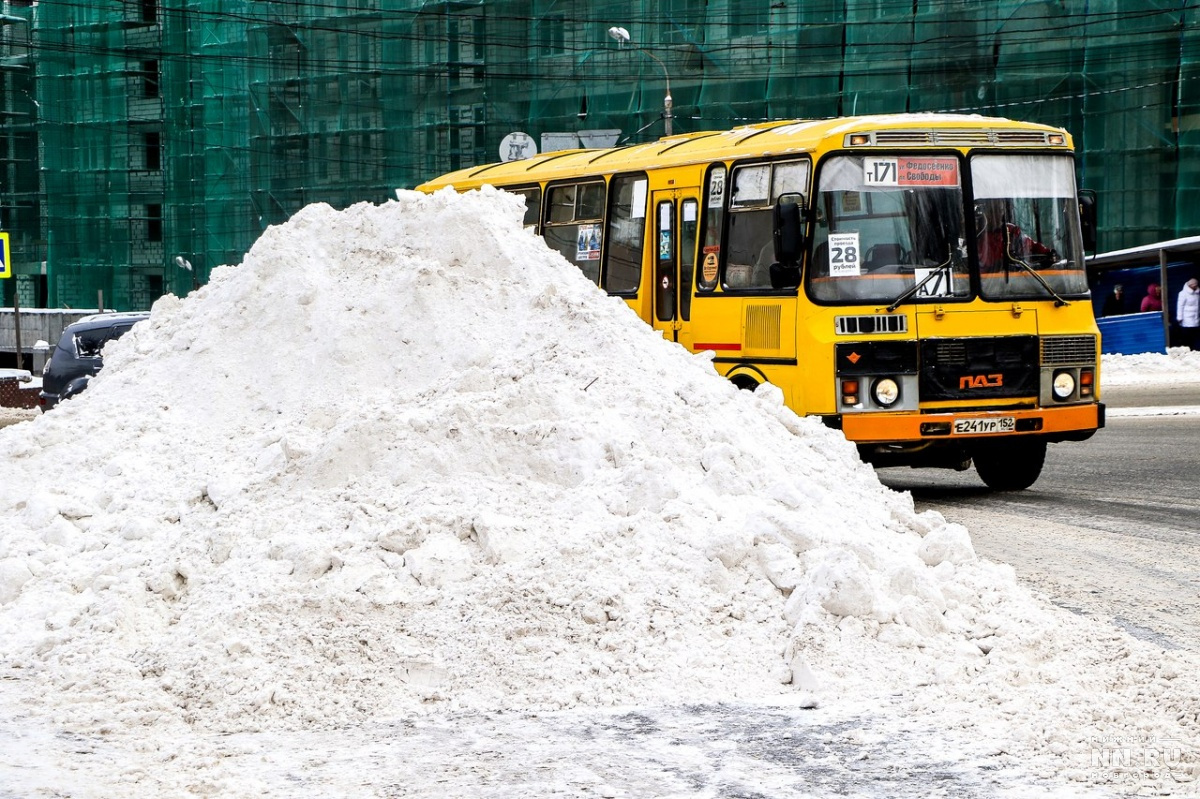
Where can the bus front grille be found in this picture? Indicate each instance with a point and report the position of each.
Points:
(1066, 350)
(1000, 367)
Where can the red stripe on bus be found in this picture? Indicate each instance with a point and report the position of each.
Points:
(718, 346)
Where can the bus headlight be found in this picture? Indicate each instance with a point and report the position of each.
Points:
(885, 391)
(1064, 385)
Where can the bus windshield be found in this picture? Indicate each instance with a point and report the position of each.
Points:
(1027, 226)
(886, 225)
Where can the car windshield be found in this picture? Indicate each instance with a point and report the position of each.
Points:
(892, 228)
(1027, 226)
(885, 224)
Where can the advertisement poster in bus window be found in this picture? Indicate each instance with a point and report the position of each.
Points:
(587, 243)
(709, 266)
(911, 171)
(844, 259)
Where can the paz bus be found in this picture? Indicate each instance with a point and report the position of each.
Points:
(916, 280)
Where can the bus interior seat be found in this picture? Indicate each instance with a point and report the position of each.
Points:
(883, 255)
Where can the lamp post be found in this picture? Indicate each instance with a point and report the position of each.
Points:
(621, 35)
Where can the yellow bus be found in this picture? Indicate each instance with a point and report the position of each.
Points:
(916, 280)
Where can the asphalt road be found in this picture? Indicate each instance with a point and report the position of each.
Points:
(1112, 528)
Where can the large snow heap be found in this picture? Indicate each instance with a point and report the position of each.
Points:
(406, 457)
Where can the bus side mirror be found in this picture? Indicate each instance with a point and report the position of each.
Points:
(1087, 219)
(788, 227)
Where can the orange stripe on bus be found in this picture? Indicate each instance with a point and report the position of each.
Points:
(989, 275)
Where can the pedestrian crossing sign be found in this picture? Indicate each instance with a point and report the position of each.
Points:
(6, 265)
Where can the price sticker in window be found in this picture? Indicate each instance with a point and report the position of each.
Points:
(845, 258)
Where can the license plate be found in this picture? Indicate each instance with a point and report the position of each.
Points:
(996, 424)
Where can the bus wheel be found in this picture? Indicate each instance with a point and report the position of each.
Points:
(1009, 464)
(744, 382)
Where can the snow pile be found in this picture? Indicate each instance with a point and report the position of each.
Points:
(405, 458)
(1178, 364)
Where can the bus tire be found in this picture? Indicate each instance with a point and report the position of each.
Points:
(744, 382)
(1009, 464)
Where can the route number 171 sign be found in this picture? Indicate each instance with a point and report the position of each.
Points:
(910, 171)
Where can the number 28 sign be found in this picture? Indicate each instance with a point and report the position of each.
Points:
(910, 171)
(844, 255)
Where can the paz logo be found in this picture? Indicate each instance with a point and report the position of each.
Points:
(6, 265)
(981, 381)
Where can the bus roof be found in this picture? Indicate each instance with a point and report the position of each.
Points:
(767, 138)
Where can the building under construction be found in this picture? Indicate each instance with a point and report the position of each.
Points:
(145, 142)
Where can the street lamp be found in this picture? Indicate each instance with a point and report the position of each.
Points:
(186, 265)
(621, 35)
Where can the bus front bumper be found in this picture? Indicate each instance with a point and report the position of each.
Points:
(1066, 423)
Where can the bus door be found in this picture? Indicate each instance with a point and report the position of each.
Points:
(676, 222)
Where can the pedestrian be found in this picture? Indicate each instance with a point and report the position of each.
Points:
(1153, 299)
(1115, 303)
(1187, 313)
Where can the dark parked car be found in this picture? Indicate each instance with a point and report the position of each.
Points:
(77, 357)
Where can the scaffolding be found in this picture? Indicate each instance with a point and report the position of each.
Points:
(20, 189)
(171, 133)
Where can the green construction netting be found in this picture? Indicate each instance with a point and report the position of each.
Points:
(178, 130)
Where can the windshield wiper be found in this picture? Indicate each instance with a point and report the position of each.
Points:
(1058, 300)
(920, 284)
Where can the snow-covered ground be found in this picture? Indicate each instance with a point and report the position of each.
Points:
(404, 506)
(13, 415)
(1179, 364)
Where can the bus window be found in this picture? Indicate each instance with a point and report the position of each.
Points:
(591, 201)
(573, 226)
(626, 232)
(562, 204)
(750, 251)
(533, 206)
(885, 223)
(714, 218)
(751, 246)
(688, 224)
(789, 178)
